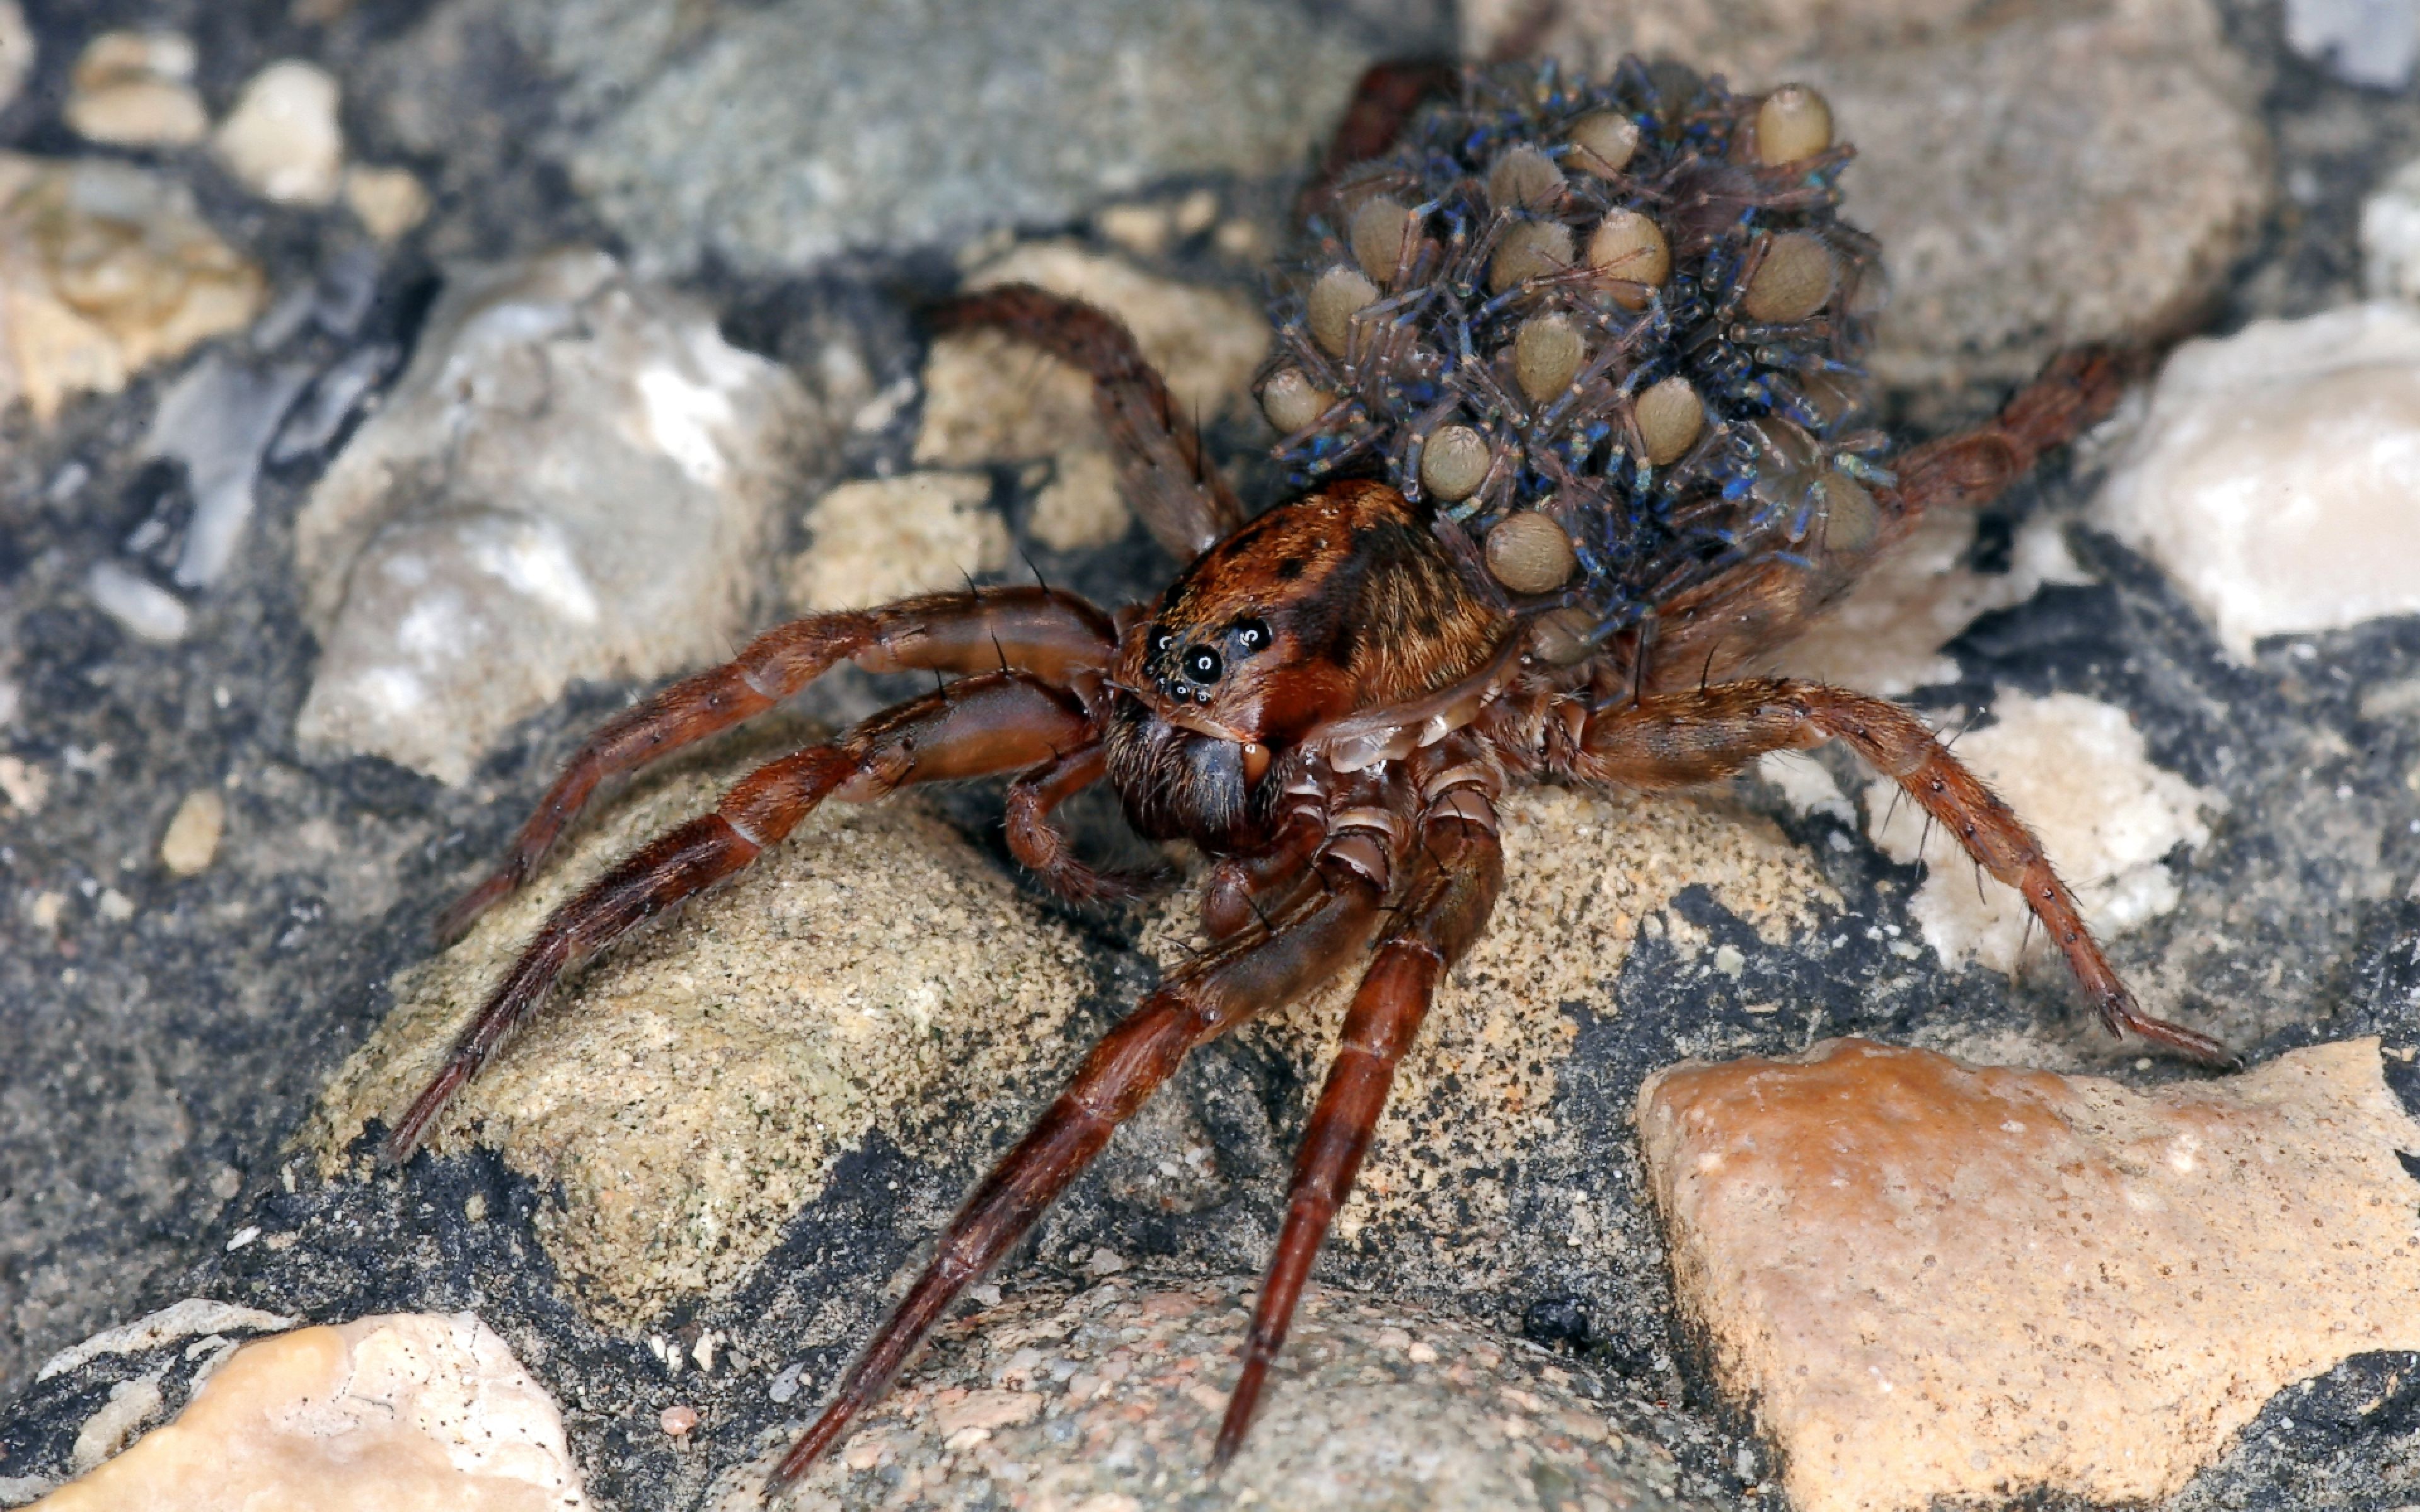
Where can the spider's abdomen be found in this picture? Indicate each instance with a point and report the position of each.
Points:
(1610, 334)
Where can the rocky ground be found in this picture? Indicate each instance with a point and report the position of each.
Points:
(396, 387)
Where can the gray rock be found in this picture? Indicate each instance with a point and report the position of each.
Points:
(768, 137)
(1381, 1408)
(576, 478)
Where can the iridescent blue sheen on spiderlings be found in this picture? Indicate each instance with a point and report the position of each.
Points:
(1629, 307)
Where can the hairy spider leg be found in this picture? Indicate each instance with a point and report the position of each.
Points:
(1736, 620)
(1237, 979)
(1242, 889)
(1167, 476)
(1051, 635)
(1458, 868)
(1042, 847)
(1681, 739)
(994, 723)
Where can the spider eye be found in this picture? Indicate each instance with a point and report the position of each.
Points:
(1161, 640)
(1201, 665)
(1251, 635)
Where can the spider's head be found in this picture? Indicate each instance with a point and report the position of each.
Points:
(1333, 602)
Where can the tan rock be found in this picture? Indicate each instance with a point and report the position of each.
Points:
(192, 840)
(988, 399)
(104, 269)
(282, 140)
(1584, 874)
(885, 538)
(135, 88)
(2039, 175)
(402, 1410)
(1081, 508)
(387, 201)
(700, 1083)
(2076, 771)
(1936, 1281)
(1107, 1400)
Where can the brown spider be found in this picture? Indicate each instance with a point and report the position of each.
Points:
(1330, 697)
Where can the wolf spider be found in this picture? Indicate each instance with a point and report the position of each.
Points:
(1327, 700)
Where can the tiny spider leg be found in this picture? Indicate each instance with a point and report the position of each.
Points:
(1237, 979)
(1681, 739)
(1167, 476)
(1458, 871)
(974, 727)
(1051, 635)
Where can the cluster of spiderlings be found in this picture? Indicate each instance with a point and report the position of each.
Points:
(1613, 332)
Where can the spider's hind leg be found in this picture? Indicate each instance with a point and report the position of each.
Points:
(1678, 739)
(2075, 391)
(1000, 722)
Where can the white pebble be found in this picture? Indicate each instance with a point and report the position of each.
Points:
(2390, 237)
(2275, 477)
(282, 140)
(147, 610)
(192, 841)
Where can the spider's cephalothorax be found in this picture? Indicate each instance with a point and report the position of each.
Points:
(1552, 501)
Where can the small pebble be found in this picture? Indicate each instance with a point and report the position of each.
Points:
(192, 841)
(387, 201)
(147, 610)
(282, 140)
(135, 88)
(677, 1421)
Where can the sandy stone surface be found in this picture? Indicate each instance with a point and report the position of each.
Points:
(379, 1415)
(2274, 477)
(2038, 175)
(887, 538)
(697, 1087)
(771, 138)
(2076, 771)
(577, 477)
(1105, 1401)
(106, 269)
(1932, 1280)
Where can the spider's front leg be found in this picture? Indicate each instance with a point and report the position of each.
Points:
(1255, 970)
(1457, 870)
(1054, 636)
(1001, 721)
(1672, 740)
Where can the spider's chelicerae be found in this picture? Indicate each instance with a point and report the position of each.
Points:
(1571, 391)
